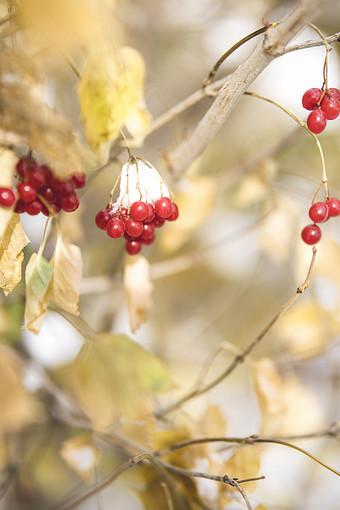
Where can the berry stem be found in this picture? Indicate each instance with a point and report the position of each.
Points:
(43, 240)
(304, 125)
(325, 65)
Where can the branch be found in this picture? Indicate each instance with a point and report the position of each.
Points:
(240, 358)
(272, 46)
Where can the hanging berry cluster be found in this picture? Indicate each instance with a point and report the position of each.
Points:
(40, 191)
(325, 105)
(143, 205)
(320, 212)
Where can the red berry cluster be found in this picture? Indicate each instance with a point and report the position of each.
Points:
(325, 106)
(320, 212)
(138, 223)
(39, 190)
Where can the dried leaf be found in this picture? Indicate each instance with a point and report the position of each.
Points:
(110, 93)
(38, 278)
(67, 276)
(8, 160)
(244, 463)
(13, 242)
(138, 288)
(213, 422)
(81, 455)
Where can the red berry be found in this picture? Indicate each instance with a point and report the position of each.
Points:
(102, 219)
(56, 207)
(115, 228)
(79, 180)
(174, 212)
(317, 121)
(318, 212)
(158, 222)
(333, 207)
(151, 213)
(20, 207)
(311, 234)
(34, 207)
(139, 211)
(149, 241)
(133, 228)
(133, 247)
(310, 98)
(163, 207)
(70, 203)
(148, 232)
(331, 107)
(27, 192)
(67, 188)
(24, 164)
(335, 93)
(123, 214)
(37, 177)
(7, 197)
(49, 195)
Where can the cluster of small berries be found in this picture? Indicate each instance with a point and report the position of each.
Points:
(39, 190)
(138, 223)
(320, 212)
(325, 106)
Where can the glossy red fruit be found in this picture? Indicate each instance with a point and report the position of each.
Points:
(79, 180)
(311, 234)
(158, 222)
(333, 207)
(20, 207)
(133, 228)
(49, 195)
(151, 213)
(333, 92)
(115, 228)
(25, 164)
(7, 197)
(139, 211)
(317, 121)
(163, 207)
(310, 98)
(318, 212)
(148, 232)
(331, 107)
(174, 212)
(102, 219)
(27, 192)
(149, 241)
(34, 208)
(37, 177)
(123, 214)
(70, 203)
(133, 247)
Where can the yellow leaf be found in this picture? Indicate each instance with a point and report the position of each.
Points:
(11, 256)
(110, 93)
(38, 278)
(244, 463)
(198, 190)
(18, 407)
(138, 289)
(67, 276)
(81, 455)
(213, 422)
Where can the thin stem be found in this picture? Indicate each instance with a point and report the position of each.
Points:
(328, 49)
(241, 357)
(126, 144)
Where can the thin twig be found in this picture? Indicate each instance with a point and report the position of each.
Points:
(240, 358)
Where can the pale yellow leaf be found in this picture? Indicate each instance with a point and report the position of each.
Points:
(81, 455)
(199, 195)
(38, 278)
(213, 422)
(244, 463)
(8, 160)
(13, 242)
(67, 276)
(110, 93)
(138, 289)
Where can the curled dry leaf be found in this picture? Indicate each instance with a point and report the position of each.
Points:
(81, 455)
(138, 289)
(38, 278)
(13, 242)
(67, 276)
(110, 94)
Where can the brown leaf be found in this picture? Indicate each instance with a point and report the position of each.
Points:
(67, 276)
(138, 289)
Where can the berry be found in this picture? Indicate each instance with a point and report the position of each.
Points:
(149, 241)
(79, 180)
(102, 219)
(133, 228)
(158, 222)
(115, 228)
(163, 207)
(331, 107)
(37, 177)
(335, 93)
(34, 207)
(7, 197)
(20, 207)
(148, 232)
(123, 214)
(49, 195)
(70, 203)
(310, 98)
(318, 212)
(133, 247)
(174, 212)
(311, 234)
(139, 211)
(27, 192)
(317, 121)
(24, 164)
(151, 214)
(333, 207)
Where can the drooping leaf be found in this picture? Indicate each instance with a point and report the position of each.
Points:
(67, 276)
(38, 278)
(81, 455)
(138, 289)
(110, 93)
(13, 242)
